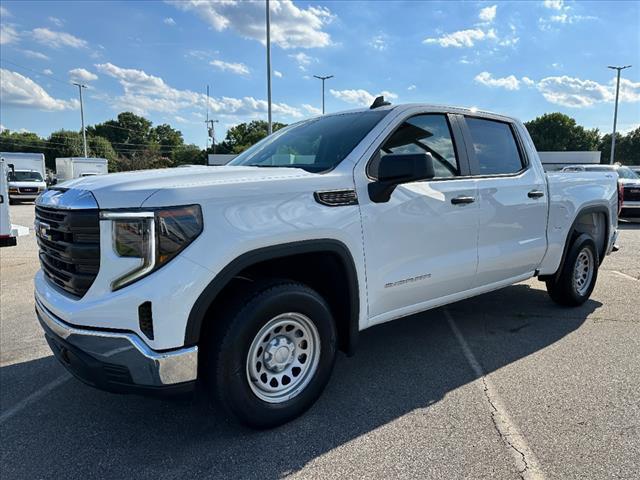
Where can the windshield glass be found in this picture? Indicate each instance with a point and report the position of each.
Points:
(626, 172)
(25, 177)
(316, 145)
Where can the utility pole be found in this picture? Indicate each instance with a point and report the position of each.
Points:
(84, 135)
(269, 126)
(212, 133)
(207, 121)
(615, 112)
(319, 77)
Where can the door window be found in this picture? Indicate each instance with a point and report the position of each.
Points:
(495, 147)
(428, 133)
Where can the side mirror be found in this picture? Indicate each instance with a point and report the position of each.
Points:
(395, 169)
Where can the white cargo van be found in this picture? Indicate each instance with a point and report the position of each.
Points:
(8, 232)
(26, 175)
(77, 167)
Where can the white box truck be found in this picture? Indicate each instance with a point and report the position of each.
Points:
(26, 175)
(69, 168)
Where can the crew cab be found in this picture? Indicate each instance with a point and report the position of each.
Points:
(248, 278)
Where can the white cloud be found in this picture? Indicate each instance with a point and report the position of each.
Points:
(57, 39)
(169, 21)
(411, 88)
(237, 68)
(360, 96)
(527, 81)
(508, 83)
(145, 93)
(58, 22)
(21, 91)
(8, 34)
(488, 14)
(303, 60)
(554, 4)
(573, 92)
(4, 12)
(82, 75)
(34, 54)
(379, 42)
(311, 110)
(291, 26)
(278, 74)
(47, 71)
(459, 39)
(180, 119)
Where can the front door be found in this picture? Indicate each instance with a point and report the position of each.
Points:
(421, 245)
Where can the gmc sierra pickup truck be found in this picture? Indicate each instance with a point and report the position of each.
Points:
(248, 278)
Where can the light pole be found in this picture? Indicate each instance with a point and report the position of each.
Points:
(84, 135)
(319, 77)
(269, 127)
(615, 112)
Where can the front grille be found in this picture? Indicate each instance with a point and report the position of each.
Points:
(27, 189)
(69, 242)
(632, 194)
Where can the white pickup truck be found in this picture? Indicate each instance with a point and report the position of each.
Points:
(249, 277)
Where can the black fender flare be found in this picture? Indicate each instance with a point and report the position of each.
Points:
(208, 295)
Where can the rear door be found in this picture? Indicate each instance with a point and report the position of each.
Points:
(512, 201)
(421, 245)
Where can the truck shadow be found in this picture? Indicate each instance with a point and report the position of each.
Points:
(400, 368)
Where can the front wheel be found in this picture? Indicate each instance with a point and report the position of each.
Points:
(274, 354)
(577, 278)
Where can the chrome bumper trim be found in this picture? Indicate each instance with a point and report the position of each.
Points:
(147, 367)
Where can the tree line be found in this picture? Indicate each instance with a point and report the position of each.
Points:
(131, 142)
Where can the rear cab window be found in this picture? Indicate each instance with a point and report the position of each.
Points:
(495, 147)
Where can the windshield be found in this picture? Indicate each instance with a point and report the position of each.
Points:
(24, 177)
(626, 172)
(317, 145)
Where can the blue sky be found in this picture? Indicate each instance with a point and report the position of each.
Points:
(156, 58)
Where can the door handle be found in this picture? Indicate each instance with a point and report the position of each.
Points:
(462, 200)
(535, 194)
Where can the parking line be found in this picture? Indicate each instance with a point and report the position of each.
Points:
(623, 275)
(524, 458)
(33, 397)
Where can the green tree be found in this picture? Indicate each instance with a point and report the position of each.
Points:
(101, 148)
(560, 132)
(189, 154)
(21, 142)
(129, 134)
(627, 148)
(63, 143)
(242, 136)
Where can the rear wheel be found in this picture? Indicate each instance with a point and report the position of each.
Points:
(273, 355)
(577, 278)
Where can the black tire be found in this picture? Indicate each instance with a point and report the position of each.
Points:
(562, 288)
(227, 368)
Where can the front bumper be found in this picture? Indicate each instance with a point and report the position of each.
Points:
(23, 196)
(630, 209)
(118, 361)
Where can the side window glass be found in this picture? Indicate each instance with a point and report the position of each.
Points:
(425, 134)
(495, 147)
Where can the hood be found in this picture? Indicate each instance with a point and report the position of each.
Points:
(131, 189)
(629, 182)
(27, 184)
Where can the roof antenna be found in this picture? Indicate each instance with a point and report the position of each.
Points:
(379, 102)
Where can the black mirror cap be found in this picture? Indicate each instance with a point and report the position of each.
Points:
(395, 169)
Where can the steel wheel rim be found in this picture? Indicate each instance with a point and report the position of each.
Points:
(583, 271)
(283, 357)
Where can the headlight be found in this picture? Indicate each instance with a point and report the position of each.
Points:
(153, 236)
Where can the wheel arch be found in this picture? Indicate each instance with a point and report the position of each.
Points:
(578, 227)
(348, 328)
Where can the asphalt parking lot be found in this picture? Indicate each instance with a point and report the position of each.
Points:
(507, 385)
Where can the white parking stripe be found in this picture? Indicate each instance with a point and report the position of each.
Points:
(33, 397)
(623, 275)
(524, 458)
